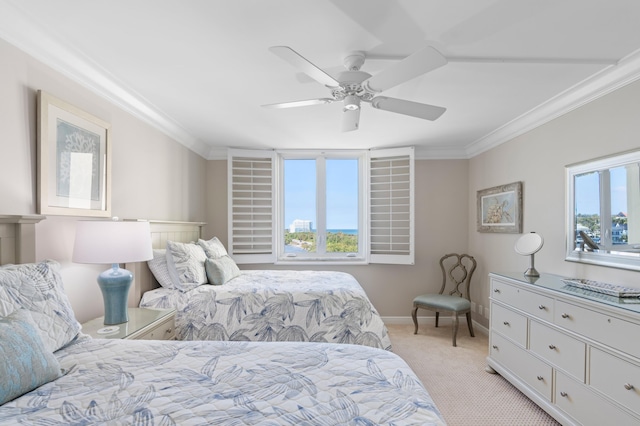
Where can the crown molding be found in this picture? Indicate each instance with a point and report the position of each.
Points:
(611, 78)
(22, 31)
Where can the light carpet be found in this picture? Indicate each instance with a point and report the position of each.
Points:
(456, 379)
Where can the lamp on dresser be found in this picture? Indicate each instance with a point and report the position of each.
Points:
(113, 242)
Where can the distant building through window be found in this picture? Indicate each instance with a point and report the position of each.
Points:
(300, 225)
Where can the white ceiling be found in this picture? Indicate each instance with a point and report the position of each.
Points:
(200, 69)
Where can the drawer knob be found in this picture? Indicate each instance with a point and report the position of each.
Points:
(506, 323)
(495, 347)
(552, 346)
(565, 315)
(563, 394)
(169, 330)
(540, 378)
(496, 290)
(628, 386)
(542, 307)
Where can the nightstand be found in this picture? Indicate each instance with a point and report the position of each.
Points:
(144, 324)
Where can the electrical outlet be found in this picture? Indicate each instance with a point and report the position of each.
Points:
(486, 313)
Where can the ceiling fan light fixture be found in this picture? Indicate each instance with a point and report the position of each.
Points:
(351, 103)
(352, 86)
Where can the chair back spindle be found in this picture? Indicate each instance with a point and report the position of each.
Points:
(458, 268)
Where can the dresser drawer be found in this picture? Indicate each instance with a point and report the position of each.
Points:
(532, 303)
(527, 367)
(164, 330)
(616, 378)
(603, 328)
(561, 350)
(510, 323)
(586, 406)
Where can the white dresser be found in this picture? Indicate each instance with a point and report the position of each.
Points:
(575, 353)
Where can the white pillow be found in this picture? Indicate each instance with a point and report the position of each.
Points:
(213, 248)
(159, 268)
(185, 262)
(38, 288)
(221, 270)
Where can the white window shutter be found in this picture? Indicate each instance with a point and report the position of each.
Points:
(391, 206)
(251, 204)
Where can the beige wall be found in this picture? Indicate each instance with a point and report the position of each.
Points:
(441, 226)
(538, 158)
(153, 176)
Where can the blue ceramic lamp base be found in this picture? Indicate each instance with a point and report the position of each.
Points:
(114, 284)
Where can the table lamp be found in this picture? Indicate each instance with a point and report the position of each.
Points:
(113, 242)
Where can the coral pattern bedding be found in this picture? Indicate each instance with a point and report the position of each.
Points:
(225, 383)
(276, 305)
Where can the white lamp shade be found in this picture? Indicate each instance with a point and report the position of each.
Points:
(112, 242)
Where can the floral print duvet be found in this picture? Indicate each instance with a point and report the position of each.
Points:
(225, 383)
(276, 305)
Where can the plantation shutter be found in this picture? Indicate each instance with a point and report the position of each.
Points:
(251, 204)
(391, 206)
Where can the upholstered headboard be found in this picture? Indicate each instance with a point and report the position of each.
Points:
(161, 232)
(18, 238)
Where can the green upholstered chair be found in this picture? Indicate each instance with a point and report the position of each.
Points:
(457, 270)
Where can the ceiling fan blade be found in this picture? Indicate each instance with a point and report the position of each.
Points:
(412, 66)
(350, 120)
(294, 104)
(298, 61)
(414, 109)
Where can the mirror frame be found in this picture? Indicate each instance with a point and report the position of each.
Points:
(613, 259)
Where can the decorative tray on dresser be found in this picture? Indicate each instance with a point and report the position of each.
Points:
(575, 352)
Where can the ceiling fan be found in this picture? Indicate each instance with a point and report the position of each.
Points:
(353, 87)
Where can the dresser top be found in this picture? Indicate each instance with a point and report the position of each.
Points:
(555, 283)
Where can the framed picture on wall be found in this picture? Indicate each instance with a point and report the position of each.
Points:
(74, 160)
(500, 209)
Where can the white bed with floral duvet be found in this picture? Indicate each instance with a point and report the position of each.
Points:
(215, 300)
(52, 374)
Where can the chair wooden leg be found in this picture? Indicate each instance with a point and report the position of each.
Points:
(437, 317)
(470, 325)
(455, 327)
(414, 315)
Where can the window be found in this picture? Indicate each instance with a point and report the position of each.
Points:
(340, 206)
(321, 213)
(601, 205)
(603, 215)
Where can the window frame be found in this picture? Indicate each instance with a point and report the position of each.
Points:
(401, 244)
(619, 255)
(321, 207)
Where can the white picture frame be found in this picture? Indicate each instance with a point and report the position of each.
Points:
(74, 160)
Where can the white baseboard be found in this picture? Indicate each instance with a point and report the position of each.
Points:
(444, 320)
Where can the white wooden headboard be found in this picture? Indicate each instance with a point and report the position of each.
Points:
(161, 232)
(18, 238)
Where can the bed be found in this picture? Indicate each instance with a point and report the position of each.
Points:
(67, 377)
(255, 305)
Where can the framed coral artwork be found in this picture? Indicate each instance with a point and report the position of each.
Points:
(74, 160)
(500, 209)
